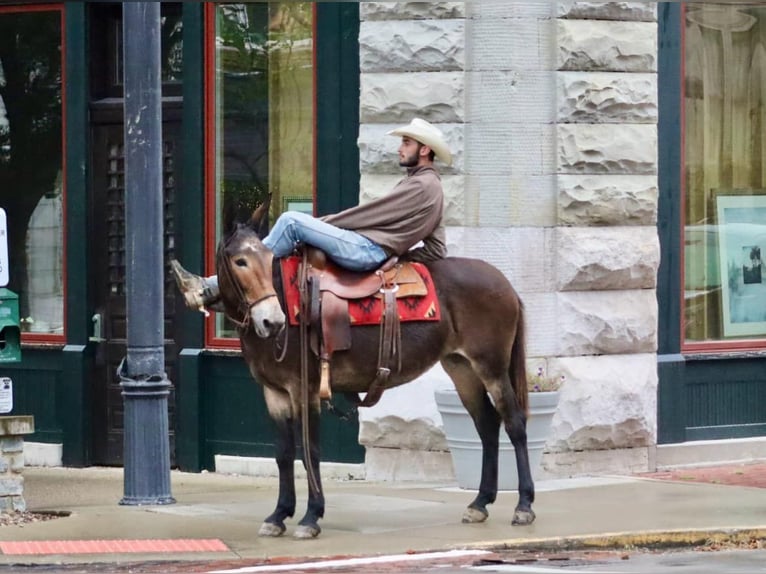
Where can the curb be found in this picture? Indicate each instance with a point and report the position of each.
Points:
(622, 540)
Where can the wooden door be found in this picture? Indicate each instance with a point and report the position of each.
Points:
(107, 284)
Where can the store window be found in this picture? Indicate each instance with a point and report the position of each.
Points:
(724, 126)
(106, 43)
(260, 101)
(32, 163)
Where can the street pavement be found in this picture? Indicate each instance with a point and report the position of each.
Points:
(366, 520)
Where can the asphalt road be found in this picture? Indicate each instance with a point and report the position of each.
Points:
(699, 561)
(666, 562)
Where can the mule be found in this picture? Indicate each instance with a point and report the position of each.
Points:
(479, 340)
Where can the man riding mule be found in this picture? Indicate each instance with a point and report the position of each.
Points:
(478, 335)
(364, 237)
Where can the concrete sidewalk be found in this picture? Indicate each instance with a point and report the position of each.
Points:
(364, 518)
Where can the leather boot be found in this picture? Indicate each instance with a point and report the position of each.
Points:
(197, 293)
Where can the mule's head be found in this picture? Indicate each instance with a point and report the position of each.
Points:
(244, 276)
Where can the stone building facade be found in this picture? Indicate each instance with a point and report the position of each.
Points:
(551, 111)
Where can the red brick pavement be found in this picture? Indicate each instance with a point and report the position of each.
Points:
(751, 474)
(112, 546)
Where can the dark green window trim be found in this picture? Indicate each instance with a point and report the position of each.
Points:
(669, 177)
(337, 96)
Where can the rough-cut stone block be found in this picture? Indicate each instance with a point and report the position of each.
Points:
(607, 258)
(607, 199)
(434, 96)
(635, 11)
(12, 462)
(606, 149)
(406, 416)
(517, 96)
(412, 46)
(11, 485)
(607, 322)
(593, 45)
(378, 150)
(597, 97)
(454, 199)
(11, 444)
(14, 425)
(10, 504)
(411, 10)
(374, 186)
(396, 432)
(17, 461)
(510, 44)
(605, 402)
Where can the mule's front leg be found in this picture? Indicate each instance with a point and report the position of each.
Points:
(308, 527)
(274, 525)
(517, 432)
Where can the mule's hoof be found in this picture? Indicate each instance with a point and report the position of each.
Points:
(271, 530)
(523, 517)
(306, 532)
(474, 515)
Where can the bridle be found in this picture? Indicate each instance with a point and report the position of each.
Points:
(244, 307)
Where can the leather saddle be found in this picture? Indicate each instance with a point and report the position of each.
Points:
(347, 284)
(328, 290)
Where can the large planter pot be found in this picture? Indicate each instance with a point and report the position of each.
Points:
(465, 446)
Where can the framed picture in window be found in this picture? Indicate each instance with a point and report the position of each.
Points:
(741, 226)
(302, 204)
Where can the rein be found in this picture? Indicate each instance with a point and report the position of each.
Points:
(244, 307)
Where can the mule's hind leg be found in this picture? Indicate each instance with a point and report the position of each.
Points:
(308, 527)
(515, 423)
(278, 404)
(474, 397)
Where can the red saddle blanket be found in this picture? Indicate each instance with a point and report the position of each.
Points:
(368, 310)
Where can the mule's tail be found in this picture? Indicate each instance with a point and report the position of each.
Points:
(517, 370)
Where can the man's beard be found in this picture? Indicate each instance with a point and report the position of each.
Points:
(409, 161)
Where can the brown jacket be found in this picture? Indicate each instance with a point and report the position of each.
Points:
(412, 212)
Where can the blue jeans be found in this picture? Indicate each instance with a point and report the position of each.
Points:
(346, 248)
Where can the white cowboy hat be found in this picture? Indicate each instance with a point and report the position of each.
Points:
(427, 134)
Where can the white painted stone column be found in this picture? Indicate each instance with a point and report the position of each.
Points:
(606, 242)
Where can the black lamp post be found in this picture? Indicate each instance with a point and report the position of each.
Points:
(145, 387)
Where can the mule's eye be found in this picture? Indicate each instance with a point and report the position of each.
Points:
(241, 262)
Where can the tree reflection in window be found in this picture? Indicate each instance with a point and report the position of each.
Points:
(263, 110)
(31, 162)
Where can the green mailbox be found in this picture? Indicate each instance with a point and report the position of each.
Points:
(10, 329)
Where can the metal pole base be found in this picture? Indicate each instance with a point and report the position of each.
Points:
(146, 444)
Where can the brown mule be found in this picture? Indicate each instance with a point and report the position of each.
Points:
(479, 342)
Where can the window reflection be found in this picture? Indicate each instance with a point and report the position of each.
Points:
(263, 110)
(725, 170)
(31, 186)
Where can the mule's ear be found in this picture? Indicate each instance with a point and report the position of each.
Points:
(259, 220)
